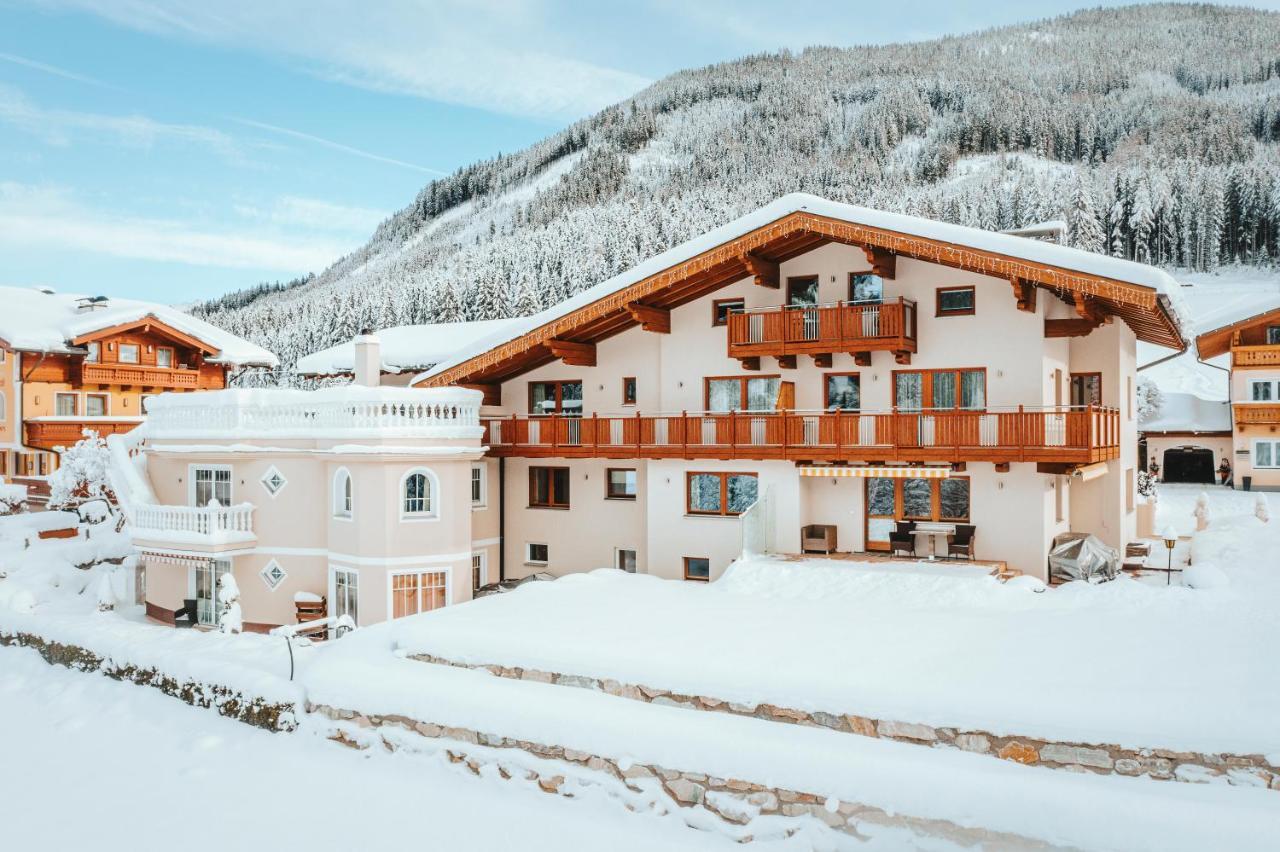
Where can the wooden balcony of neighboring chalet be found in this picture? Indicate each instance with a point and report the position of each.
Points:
(1257, 413)
(823, 330)
(47, 433)
(1255, 356)
(1060, 435)
(139, 375)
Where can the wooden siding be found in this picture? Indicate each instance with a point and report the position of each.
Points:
(1066, 436)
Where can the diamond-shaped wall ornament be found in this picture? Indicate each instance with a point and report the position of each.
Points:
(273, 480)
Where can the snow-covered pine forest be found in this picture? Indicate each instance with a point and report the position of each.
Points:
(1153, 131)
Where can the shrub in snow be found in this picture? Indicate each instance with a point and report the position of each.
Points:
(1205, 576)
(230, 618)
(1147, 486)
(83, 475)
(1150, 400)
(1261, 510)
(1201, 512)
(13, 498)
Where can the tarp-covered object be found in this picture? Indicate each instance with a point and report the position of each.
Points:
(1080, 556)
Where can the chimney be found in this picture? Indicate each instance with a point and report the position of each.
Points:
(368, 359)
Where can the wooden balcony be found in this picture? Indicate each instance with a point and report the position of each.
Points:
(1257, 413)
(824, 330)
(138, 375)
(1052, 435)
(48, 433)
(1255, 356)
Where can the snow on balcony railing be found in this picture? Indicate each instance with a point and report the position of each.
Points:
(343, 411)
(212, 523)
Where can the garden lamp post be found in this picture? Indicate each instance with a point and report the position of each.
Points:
(1170, 536)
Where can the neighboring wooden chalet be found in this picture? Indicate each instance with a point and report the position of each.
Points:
(77, 362)
(887, 381)
(1253, 342)
(1188, 438)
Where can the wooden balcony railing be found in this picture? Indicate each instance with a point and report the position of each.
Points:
(844, 327)
(1063, 435)
(1257, 413)
(63, 432)
(1255, 356)
(138, 375)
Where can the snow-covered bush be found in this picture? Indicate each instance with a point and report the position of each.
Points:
(1201, 512)
(83, 475)
(1150, 400)
(1261, 510)
(13, 498)
(230, 618)
(1147, 486)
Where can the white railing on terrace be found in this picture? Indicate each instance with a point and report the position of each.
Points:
(212, 521)
(428, 413)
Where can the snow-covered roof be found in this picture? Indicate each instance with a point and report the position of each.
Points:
(1008, 245)
(38, 320)
(405, 347)
(1186, 412)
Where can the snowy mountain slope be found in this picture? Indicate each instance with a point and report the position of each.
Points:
(1153, 131)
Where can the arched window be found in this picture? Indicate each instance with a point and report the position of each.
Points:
(419, 499)
(342, 502)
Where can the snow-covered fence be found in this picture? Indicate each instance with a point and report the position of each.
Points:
(434, 412)
(212, 520)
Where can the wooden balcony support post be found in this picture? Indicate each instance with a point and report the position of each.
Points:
(763, 270)
(650, 318)
(862, 359)
(883, 262)
(751, 363)
(1025, 292)
(1068, 327)
(572, 353)
(822, 359)
(787, 362)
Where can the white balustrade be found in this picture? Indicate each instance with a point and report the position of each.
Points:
(212, 521)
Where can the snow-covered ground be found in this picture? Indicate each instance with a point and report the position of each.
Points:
(931, 648)
(90, 763)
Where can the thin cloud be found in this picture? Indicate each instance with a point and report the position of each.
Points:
(471, 52)
(50, 218)
(315, 215)
(54, 70)
(337, 146)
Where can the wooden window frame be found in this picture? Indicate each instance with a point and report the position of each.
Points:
(608, 484)
(635, 390)
(926, 388)
(93, 352)
(553, 495)
(75, 403)
(559, 383)
(826, 388)
(688, 576)
(1071, 378)
(120, 352)
(899, 507)
(724, 492)
(742, 387)
(864, 272)
(715, 309)
(973, 308)
(793, 280)
(106, 404)
(173, 357)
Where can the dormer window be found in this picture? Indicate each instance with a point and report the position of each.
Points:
(93, 352)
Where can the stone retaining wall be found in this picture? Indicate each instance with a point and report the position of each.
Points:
(1164, 764)
(734, 802)
(226, 701)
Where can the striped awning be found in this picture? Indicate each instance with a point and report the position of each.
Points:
(876, 472)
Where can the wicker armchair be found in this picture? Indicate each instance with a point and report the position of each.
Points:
(818, 538)
(961, 543)
(903, 538)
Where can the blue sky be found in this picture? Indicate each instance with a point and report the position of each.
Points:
(178, 149)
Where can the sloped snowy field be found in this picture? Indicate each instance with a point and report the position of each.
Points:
(1123, 663)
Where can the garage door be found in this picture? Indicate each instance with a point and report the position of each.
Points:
(1188, 464)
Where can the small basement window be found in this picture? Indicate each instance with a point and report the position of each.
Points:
(697, 568)
(536, 554)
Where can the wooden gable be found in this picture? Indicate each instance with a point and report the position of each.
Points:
(758, 253)
(1251, 331)
(148, 325)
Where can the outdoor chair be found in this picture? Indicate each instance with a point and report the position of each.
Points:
(961, 543)
(903, 538)
(186, 616)
(818, 538)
